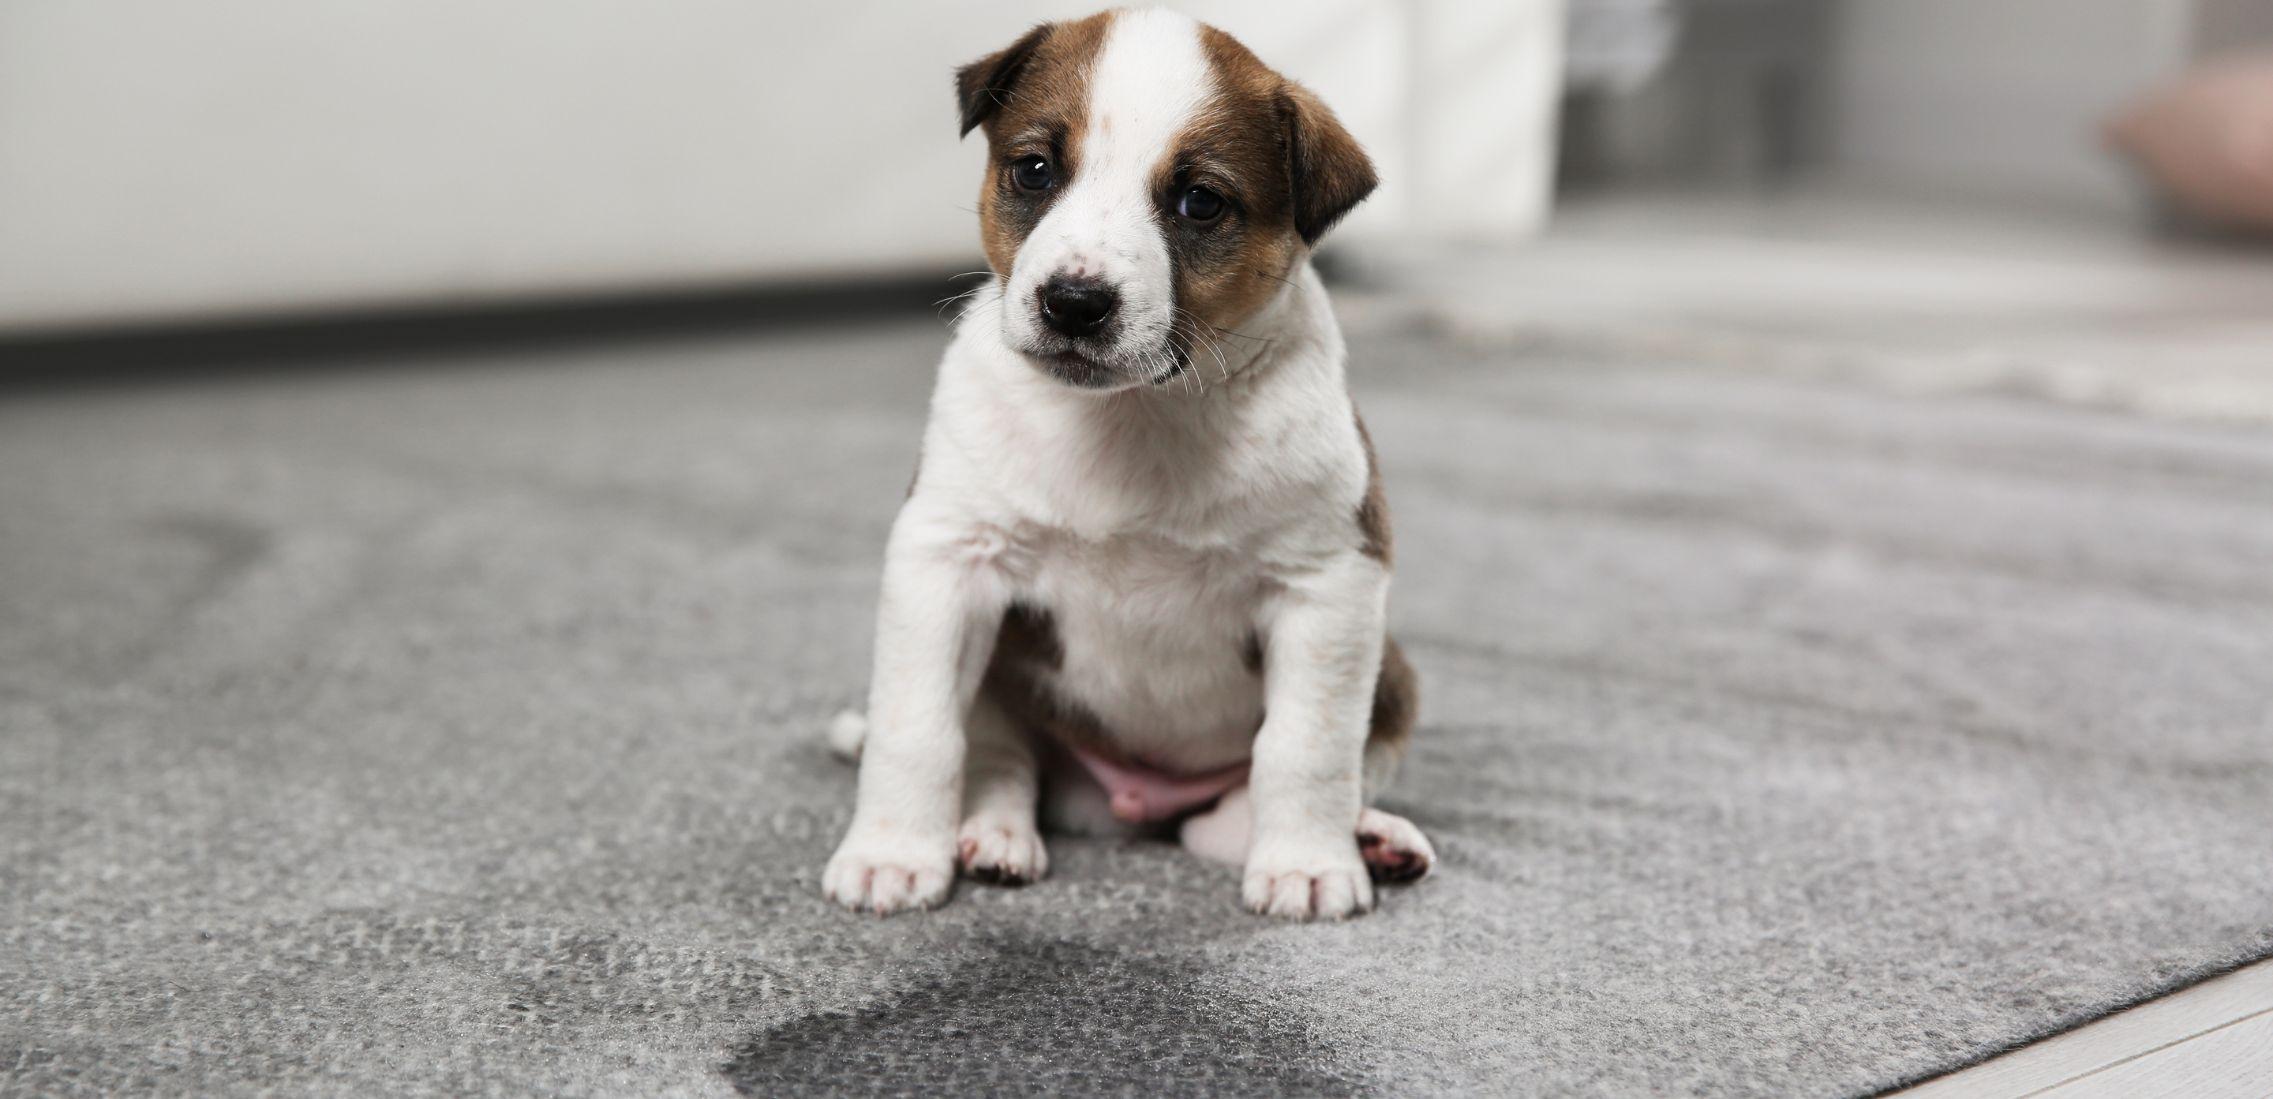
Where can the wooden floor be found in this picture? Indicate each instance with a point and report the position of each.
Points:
(2211, 1041)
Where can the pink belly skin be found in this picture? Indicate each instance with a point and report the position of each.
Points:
(1145, 795)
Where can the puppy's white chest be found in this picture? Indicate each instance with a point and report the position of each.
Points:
(1158, 642)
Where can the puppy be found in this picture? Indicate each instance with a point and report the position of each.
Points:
(1140, 580)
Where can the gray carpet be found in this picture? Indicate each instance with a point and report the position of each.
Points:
(455, 728)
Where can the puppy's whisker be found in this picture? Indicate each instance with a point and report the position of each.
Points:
(977, 296)
(1217, 329)
(1274, 278)
(1266, 342)
(1215, 348)
(942, 304)
(1187, 347)
(1193, 341)
(1200, 329)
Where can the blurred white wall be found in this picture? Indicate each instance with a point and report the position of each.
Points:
(163, 160)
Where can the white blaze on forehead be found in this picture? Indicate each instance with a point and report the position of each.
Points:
(1148, 80)
(1145, 85)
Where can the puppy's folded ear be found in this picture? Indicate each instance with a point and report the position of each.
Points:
(1329, 173)
(985, 84)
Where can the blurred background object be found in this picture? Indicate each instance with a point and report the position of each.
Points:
(1667, 92)
(1999, 100)
(2206, 141)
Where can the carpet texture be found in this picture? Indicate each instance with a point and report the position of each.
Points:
(455, 728)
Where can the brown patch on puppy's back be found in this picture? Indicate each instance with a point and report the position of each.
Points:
(1373, 509)
(1396, 700)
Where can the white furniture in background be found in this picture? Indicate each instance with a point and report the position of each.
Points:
(174, 161)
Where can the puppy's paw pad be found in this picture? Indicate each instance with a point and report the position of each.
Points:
(1325, 887)
(885, 875)
(1394, 850)
(1000, 853)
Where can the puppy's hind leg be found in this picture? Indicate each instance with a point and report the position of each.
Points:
(999, 841)
(1221, 832)
(1394, 849)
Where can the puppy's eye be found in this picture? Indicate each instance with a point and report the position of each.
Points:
(1200, 205)
(1031, 173)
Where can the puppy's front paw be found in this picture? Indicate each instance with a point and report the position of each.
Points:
(1001, 851)
(1323, 881)
(888, 872)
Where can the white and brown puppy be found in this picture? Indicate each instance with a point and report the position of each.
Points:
(1141, 577)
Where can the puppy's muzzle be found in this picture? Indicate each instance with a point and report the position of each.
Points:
(1077, 308)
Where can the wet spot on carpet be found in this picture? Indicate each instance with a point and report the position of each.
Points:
(1043, 1017)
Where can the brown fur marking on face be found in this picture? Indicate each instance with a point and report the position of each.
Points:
(1033, 100)
(1396, 700)
(1234, 146)
(1373, 509)
(1287, 169)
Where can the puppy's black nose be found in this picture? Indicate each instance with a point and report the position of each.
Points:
(1077, 307)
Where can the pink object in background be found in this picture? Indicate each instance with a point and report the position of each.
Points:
(2207, 140)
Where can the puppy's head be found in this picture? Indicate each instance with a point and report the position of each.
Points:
(1149, 184)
